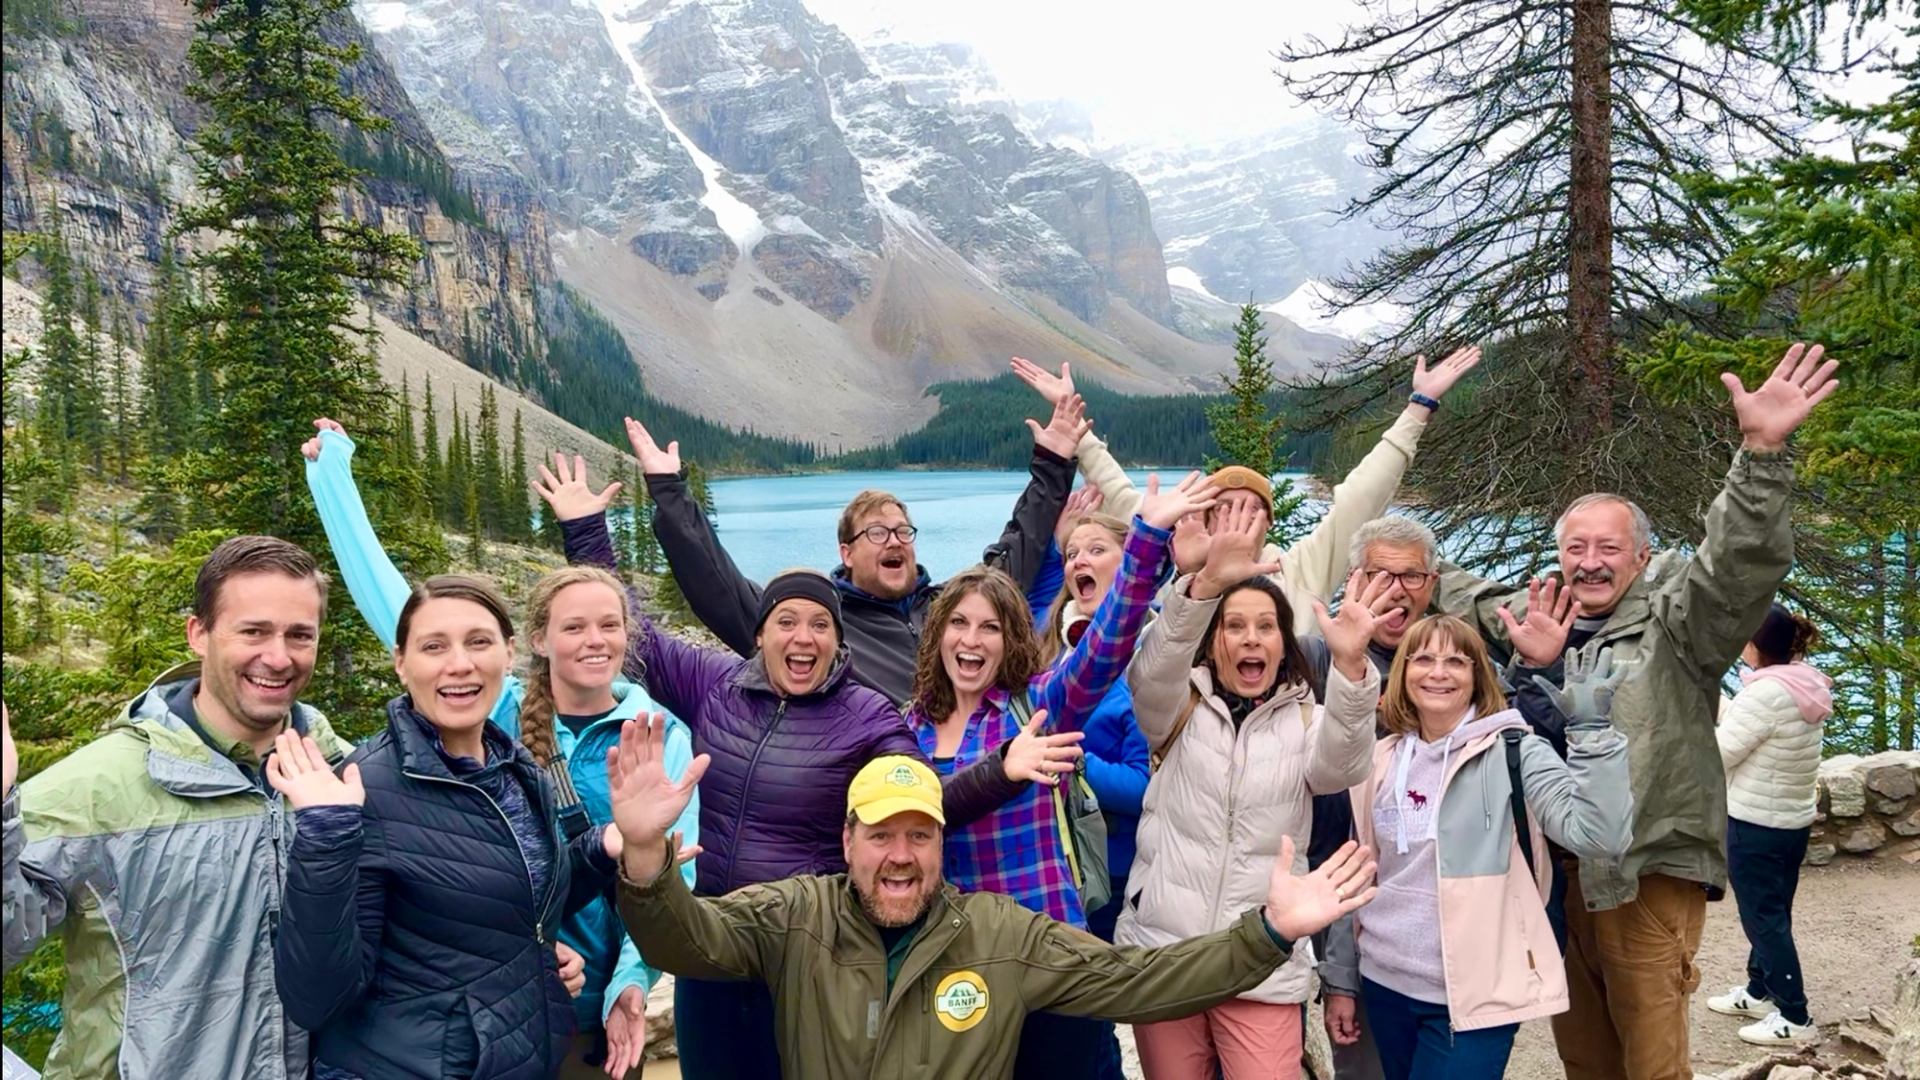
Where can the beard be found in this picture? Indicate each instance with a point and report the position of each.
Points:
(896, 911)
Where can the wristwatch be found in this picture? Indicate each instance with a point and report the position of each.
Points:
(1432, 404)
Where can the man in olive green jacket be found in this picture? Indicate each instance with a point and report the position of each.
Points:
(1634, 923)
(888, 971)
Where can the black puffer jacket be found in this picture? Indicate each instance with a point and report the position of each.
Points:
(412, 946)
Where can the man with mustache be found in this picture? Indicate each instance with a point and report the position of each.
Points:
(1634, 923)
(887, 970)
(156, 851)
(884, 591)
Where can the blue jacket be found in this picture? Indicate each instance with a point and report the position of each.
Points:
(1118, 761)
(412, 941)
(379, 591)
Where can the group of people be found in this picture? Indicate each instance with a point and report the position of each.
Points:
(1138, 766)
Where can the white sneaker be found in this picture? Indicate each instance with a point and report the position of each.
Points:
(1776, 1030)
(1737, 1002)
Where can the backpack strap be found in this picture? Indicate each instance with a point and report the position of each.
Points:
(1021, 706)
(1522, 830)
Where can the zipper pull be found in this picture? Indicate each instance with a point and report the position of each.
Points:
(539, 933)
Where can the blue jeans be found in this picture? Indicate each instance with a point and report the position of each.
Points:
(1417, 1043)
(725, 1030)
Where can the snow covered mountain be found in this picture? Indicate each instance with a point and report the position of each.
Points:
(1255, 216)
(771, 214)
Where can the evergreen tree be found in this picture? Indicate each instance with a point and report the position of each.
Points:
(548, 534)
(166, 376)
(490, 472)
(1246, 428)
(62, 379)
(521, 530)
(277, 320)
(456, 474)
(432, 473)
(1530, 157)
(90, 410)
(126, 418)
(647, 558)
(406, 452)
(471, 524)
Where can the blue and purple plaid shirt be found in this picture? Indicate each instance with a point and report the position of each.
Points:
(1016, 850)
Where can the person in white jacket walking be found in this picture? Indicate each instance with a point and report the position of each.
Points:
(1770, 737)
(1220, 690)
(1314, 566)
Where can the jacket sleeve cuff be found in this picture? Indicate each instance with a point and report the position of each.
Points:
(1269, 934)
(1043, 455)
(669, 872)
(587, 541)
(326, 827)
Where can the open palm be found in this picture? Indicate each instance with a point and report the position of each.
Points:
(565, 488)
(1771, 413)
(1551, 611)
(1164, 509)
(299, 771)
(1055, 388)
(653, 460)
(1301, 905)
(646, 802)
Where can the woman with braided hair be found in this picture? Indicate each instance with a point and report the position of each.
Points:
(567, 711)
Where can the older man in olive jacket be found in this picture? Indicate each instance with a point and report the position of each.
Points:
(888, 970)
(1634, 923)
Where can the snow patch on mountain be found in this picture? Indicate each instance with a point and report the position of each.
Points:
(1182, 277)
(741, 222)
(1311, 307)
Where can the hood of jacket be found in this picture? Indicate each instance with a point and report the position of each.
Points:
(1810, 690)
(179, 760)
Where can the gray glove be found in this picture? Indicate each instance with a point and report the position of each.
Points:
(1587, 699)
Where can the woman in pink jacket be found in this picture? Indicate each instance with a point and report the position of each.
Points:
(1456, 951)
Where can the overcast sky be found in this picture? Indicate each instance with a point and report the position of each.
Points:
(1198, 68)
(1194, 70)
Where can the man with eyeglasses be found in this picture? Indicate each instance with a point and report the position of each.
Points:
(884, 591)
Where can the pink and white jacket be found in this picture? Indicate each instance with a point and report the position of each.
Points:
(1501, 963)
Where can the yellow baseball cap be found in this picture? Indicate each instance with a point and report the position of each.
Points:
(893, 785)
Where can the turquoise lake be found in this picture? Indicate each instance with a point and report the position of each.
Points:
(771, 523)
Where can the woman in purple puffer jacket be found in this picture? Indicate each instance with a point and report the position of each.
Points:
(786, 729)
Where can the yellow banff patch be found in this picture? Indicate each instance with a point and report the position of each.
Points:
(960, 1001)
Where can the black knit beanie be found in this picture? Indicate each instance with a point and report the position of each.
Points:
(807, 585)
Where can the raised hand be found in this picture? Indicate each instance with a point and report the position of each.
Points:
(626, 1032)
(9, 755)
(653, 460)
(311, 448)
(1348, 632)
(1064, 431)
(1055, 388)
(1233, 552)
(1191, 543)
(573, 968)
(298, 770)
(645, 802)
(1164, 509)
(1590, 683)
(1770, 414)
(1041, 758)
(567, 491)
(1434, 382)
(1551, 611)
(1301, 906)
(1087, 500)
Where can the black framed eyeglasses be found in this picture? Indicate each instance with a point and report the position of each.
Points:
(1410, 580)
(878, 533)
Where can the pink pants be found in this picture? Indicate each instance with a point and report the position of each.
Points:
(1250, 1039)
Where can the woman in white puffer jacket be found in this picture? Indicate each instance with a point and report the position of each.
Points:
(1770, 737)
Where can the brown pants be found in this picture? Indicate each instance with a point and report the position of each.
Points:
(1631, 977)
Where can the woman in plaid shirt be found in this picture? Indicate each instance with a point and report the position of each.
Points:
(980, 650)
